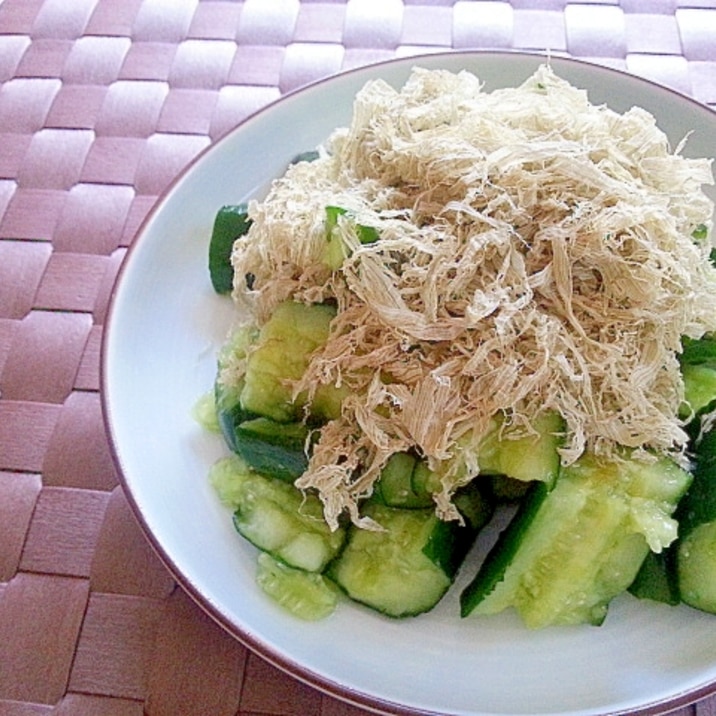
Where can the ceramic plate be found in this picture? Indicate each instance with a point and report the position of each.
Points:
(164, 327)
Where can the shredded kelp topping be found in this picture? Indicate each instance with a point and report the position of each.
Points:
(535, 253)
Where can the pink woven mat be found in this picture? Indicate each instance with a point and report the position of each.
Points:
(102, 103)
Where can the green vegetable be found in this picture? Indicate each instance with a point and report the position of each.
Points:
(230, 223)
(397, 486)
(278, 450)
(530, 457)
(701, 351)
(204, 412)
(700, 232)
(699, 388)
(336, 251)
(696, 567)
(278, 518)
(698, 370)
(696, 548)
(306, 595)
(280, 356)
(686, 571)
(656, 578)
(405, 568)
(571, 549)
(227, 394)
(309, 156)
(494, 569)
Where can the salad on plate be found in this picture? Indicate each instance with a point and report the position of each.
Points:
(469, 308)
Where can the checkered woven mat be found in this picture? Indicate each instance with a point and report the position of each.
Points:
(102, 102)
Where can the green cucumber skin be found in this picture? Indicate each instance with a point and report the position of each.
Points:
(229, 412)
(499, 558)
(696, 567)
(277, 518)
(309, 155)
(699, 503)
(274, 449)
(405, 570)
(230, 223)
(657, 579)
(591, 533)
(280, 355)
(698, 351)
(448, 545)
(396, 487)
(693, 565)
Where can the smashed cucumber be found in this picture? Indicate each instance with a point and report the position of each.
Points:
(571, 549)
(253, 394)
(276, 517)
(403, 482)
(401, 569)
(280, 356)
(273, 449)
(696, 548)
(530, 457)
(227, 389)
(306, 595)
(336, 251)
(511, 462)
(686, 571)
(404, 568)
(230, 223)
(698, 370)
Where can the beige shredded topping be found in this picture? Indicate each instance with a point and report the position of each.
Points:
(535, 254)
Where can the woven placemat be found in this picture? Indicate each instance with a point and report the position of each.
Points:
(102, 103)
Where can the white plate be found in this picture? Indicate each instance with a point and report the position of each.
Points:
(164, 327)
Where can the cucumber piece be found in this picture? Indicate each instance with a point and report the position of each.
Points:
(571, 549)
(405, 568)
(407, 482)
(277, 517)
(698, 351)
(661, 575)
(308, 156)
(527, 458)
(699, 389)
(230, 223)
(396, 487)
(229, 411)
(507, 489)
(274, 449)
(336, 251)
(226, 477)
(204, 412)
(699, 503)
(494, 568)
(227, 388)
(698, 369)
(656, 579)
(473, 505)
(510, 461)
(280, 357)
(696, 567)
(366, 234)
(700, 233)
(306, 595)
(695, 553)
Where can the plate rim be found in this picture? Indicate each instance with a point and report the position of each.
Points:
(251, 641)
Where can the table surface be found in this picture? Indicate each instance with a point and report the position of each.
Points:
(102, 102)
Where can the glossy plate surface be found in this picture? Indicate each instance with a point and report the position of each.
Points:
(164, 327)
